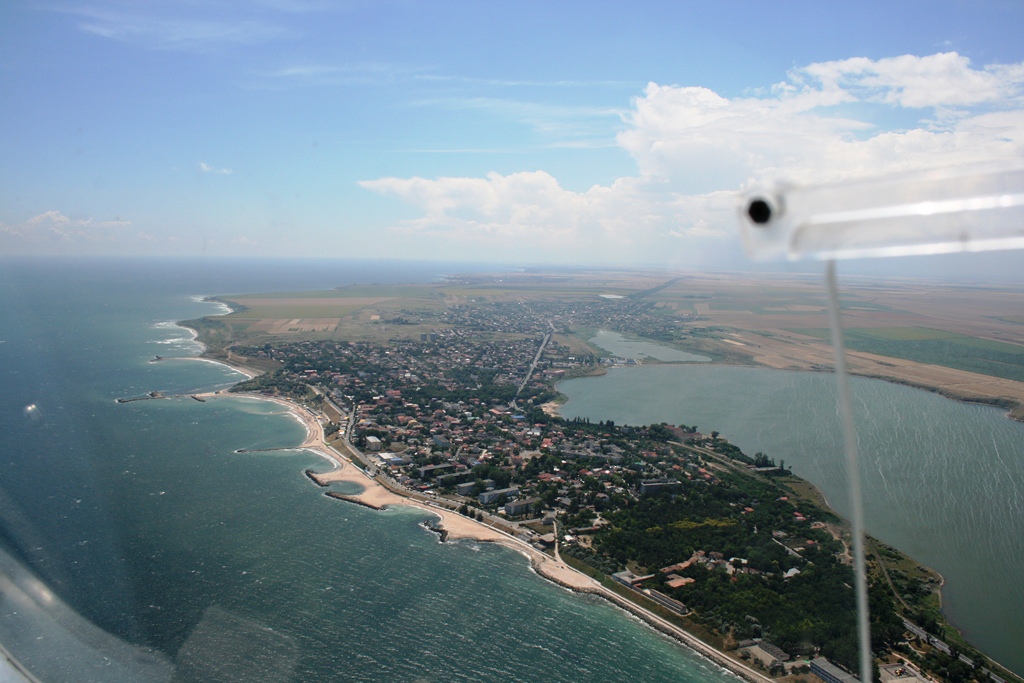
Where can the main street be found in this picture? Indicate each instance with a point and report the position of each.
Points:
(533, 365)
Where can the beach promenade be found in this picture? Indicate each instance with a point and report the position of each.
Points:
(377, 496)
(455, 526)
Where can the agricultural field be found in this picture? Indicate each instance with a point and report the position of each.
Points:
(964, 341)
(936, 347)
(365, 312)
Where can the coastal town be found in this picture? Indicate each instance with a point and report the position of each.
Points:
(729, 547)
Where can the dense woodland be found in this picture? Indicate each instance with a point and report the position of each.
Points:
(810, 611)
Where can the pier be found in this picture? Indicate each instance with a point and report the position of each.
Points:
(159, 394)
(148, 397)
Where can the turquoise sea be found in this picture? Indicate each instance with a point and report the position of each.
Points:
(943, 481)
(136, 543)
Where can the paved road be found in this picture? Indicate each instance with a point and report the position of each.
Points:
(536, 359)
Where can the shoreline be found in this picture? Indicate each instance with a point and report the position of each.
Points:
(1014, 409)
(553, 408)
(249, 372)
(452, 526)
(958, 385)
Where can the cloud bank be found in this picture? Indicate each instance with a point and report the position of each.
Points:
(695, 148)
(52, 230)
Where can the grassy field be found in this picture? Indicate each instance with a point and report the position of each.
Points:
(937, 347)
(942, 326)
(351, 292)
(577, 346)
(289, 311)
(371, 312)
(585, 334)
(529, 292)
(885, 333)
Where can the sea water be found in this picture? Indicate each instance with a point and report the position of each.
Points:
(624, 347)
(209, 564)
(943, 481)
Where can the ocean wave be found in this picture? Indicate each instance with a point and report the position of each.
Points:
(223, 308)
(184, 338)
(178, 341)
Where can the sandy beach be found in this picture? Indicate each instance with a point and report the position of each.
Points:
(455, 527)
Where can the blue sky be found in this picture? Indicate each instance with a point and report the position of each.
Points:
(503, 131)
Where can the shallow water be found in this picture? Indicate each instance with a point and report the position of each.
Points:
(145, 519)
(620, 346)
(943, 481)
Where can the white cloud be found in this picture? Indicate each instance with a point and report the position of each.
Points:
(169, 26)
(529, 215)
(498, 206)
(312, 74)
(53, 232)
(58, 225)
(54, 226)
(700, 140)
(940, 80)
(565, 123)
(694, 148)
(206, 168)
(182, 35)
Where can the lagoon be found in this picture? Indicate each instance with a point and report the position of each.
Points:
(624, 347)
(943, 481)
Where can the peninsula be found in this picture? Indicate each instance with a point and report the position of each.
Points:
(443, 397)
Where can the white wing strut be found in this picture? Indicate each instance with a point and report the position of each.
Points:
(932, 212)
